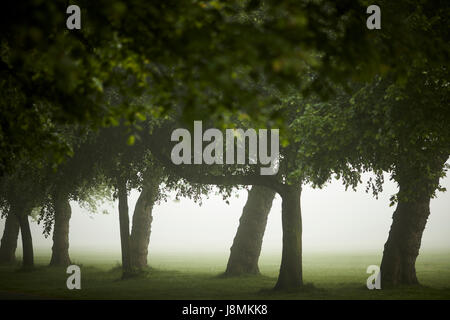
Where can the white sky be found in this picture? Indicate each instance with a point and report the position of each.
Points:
(333, 220)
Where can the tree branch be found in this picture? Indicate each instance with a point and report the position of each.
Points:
(197, 176)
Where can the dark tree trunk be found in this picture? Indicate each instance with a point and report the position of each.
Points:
(142, 220)
(9, 240)
(408, 223)
(27, 241)
(124, 223)
(403, 244)
(246, 248)
(60, 249)
(291, 276)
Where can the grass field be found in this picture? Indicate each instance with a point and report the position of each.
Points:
(333, 276)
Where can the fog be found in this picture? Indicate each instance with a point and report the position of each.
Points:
(333, 220)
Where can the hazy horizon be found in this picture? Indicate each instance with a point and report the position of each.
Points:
(334, 220)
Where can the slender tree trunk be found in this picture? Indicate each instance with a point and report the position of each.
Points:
(27, 241)
(9, 240)
(291, 276)
(142, 220)
(60, 249)
(124, 222)
(246, 248)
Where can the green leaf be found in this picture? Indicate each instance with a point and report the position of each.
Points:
(131, 140)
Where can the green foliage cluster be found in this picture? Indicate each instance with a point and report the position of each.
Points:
(203, 56)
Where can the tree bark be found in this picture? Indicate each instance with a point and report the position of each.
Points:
(291, 276)
(27, 241)
(60, 248)
(246, 248)
(416, 187)
(403, 244)
(142, 220)
(124, 222)
(9, 240)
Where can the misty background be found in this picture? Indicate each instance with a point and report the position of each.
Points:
(334, 220)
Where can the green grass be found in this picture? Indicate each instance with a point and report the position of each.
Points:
(170, 277)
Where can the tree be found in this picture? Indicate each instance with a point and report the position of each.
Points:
(395, 126)
(60, 248)
(123, 159)
(142, 218)
(9, 240)
(412, 142)
(75, 179)
(120, 161)
(20, 193)
(246, 248)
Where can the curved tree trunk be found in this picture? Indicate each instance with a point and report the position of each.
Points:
(416, 187)
(27, 241)
(9, 240)
(124, 222)
(403, 244)
(291, 276)
(246, 248)
(142, 220)
(60, 248)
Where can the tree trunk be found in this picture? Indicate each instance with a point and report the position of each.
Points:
(408, 223)
(124, 223)
(291, 276)
(27, 241)
(60, 248)
(9, 240)
(246, 248)
(142, 220)
(403, 244)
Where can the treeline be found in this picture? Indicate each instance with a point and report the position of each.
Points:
(88, 114)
